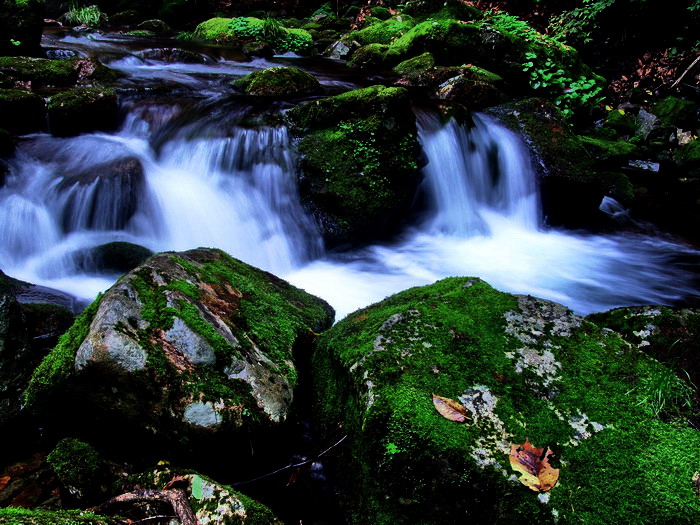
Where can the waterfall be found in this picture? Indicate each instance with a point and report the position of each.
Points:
(234, 190)
(475, 172)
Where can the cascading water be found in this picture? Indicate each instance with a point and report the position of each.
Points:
(185, 171)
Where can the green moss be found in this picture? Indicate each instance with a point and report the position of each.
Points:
(622, 122)
(21, 516)
(142, 33)
(376, 371)
(59, 365)
(269, 31)
(688, 156)
(279, 81)
(676, 112)
(76, 464)
(384, 32)
(416, 65)
(604, 150)
(359, 159)
(41, 71)
(214, 30)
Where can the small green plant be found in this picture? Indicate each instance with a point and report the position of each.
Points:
(579, 24)
(90, 16)
(569, 94)
(272, 29)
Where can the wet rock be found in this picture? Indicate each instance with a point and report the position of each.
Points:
(15, 357)
(521, 367)
(81, 111)
(174, 55)
(21, 111)
(155, 26)
(37, 72)
(104, 197)
(190, 351)
(118, 257)
(340, 49)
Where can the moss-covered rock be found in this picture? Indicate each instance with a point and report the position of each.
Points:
(570, 188)
(688, 157)
(56, 73)
(472, 92)
(210, 501)
(608, 151)
(21, 25)
(279, 82)
(523, 369)
(677, 112)
(190, 349)
(77, 466)
(21, 516)
(15, 354)
(359, 165)
(82, 110)
(622, 122)
(383, 32)
(155, 26)
(21, 111)
(416, 65)
(253, 29)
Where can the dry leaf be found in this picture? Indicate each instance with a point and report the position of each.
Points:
(4, 481)
(450, 409)
(533, 464)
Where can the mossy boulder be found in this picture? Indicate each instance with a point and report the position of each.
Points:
(155, 26)
(671, 335)
(82, 110)
(21, 25)
(56, 73)
(383, 32)
(416, 65)
(688, 157)
(21, 111)
(78, 467)
(469, 90)
(359, 161)
(621, 121)
(523, 369)
(210, 501)
(279, 82)
(253, 29)
(189, 351)
(608, 151)
(677, 112)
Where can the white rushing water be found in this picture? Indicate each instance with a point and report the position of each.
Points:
(175, 186)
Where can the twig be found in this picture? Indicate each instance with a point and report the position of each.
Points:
(152, 518)
(175, 497)
(292, 465)
(691, 66)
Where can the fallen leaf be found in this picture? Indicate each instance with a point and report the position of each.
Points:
(696, 483)
(177, 482)
(533, 464)
(4, 481)
(450, 409)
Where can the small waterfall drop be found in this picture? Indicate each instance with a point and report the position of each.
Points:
(234, 190)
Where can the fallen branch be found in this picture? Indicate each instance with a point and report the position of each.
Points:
(292, 465)
(177, 498)
(691, 66)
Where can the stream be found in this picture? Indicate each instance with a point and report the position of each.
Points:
(186, 169)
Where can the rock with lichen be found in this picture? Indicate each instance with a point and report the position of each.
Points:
(189, 349)
(279, 82)
(523, 369)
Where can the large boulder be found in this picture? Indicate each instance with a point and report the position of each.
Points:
(82, 110)
(521, 371)
(15, 354)
(190, 350)
(359, 161)
(118, 256)
(21, 25)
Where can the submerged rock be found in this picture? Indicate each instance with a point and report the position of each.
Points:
(188, 349)
(522, 369)
(359, 164)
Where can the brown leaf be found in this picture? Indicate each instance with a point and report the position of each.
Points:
(178, 482)
(533, 464)
(450, 409)
(4, 481)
